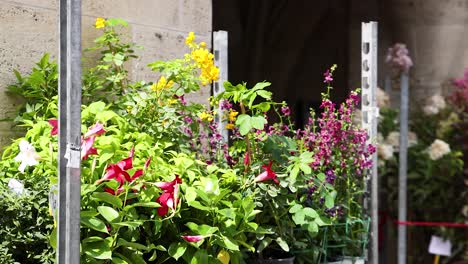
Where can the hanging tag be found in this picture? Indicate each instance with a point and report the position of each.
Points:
(439, 246)
(73, 155)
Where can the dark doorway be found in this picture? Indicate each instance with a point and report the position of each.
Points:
(289, 43)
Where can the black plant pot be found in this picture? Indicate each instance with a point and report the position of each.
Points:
(276, 261)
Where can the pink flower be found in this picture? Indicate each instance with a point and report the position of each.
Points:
(192, 239)
(87, 147)
(268, 174)
(169, 197)
(119, 172)
(96, 130)
(54, 124)
(87, 141)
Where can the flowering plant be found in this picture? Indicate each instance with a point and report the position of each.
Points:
(159, 183)
(434, 162)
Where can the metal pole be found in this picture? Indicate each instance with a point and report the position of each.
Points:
(220, 47)
(370, 113)
(403, 159)
(68, 250)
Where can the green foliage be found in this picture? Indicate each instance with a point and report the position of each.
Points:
(25, 221)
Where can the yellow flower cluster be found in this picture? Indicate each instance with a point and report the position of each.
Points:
(203, 59)
(232, 115)
(189, 39)
(206, 116)
(162, 84)
(100, 22)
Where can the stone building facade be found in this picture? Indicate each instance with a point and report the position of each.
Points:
(28, 29)
(434, 30)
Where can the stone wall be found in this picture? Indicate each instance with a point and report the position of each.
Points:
(28, 28)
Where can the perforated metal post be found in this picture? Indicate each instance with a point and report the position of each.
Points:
(403, 169)
(68, 242)
(220, 47)
(370, 113)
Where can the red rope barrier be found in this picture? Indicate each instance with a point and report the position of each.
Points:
(445, 224)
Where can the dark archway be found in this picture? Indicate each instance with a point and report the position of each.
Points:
(289, 43)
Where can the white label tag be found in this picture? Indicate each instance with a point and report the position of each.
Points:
(439, 246)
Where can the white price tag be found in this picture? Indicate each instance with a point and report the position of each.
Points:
(439, 246)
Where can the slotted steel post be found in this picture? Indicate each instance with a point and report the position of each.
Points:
(220, 47)
(402, 172)
(68, 242)
(370, 113)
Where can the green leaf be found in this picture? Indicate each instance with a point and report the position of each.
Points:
(108, 198)
(177, 250)
(125, 243)
(112, 22)
(53, 238)
(200, 257)
(312, 227)
(132, 224)
(201, 229)
(97, 250)
(258, 122)
(321, 177)
(310, 212)
(229, 243)
(265, 94)
(109, 213)
(295, 208)
(284, 246)
(243, 121)
(116, 260)
(143, 204)
(95, 223)
(329, 201)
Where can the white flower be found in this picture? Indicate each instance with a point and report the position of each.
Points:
(27, 155)
(437, 149)
(434, 104)
(383, 100)
(393, 139)
(16, 186)
(385, 151)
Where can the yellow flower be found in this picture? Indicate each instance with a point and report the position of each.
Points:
(100, 22)
(162, 84)
(223, 256)
(172, 101)
(203, 44)
(206, 116)
(189, 39)
(232, 115)
(229, 126)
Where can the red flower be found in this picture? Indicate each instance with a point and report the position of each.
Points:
(246, 159)
(193, 238)
(169, 197)
(268, 174)
(54, 124)
(119, 172)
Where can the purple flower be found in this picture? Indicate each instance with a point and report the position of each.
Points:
(225, 104)
(328, 77)
(285, 110)
(398, 58)
(330, 177)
